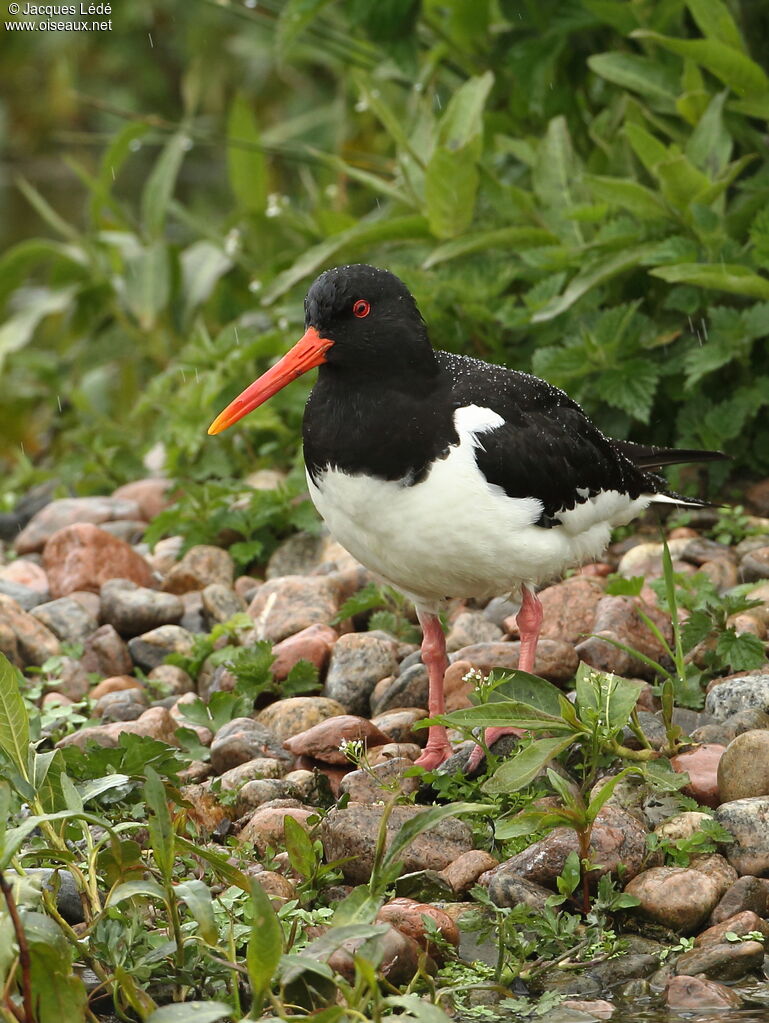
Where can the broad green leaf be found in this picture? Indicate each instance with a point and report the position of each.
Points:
(91, 789)
(159, 822)
(715, 21)
(627, 194)
(147, 283)
(197, 897)
(45, 211)
(622, 698)
(423, 822)
(366, 233)
(649, 150)
(504, 237)
(371, 96)
(115, 155)
(416, 1007)
(680, 180)
(730, 277)
(640, 74)
(57, 994)
(131, 889)
(736, 70)
(525, 688)
(601, 270)
(524, 823)
(322, 947)
(203, 263)
(161, 183)
(463, 120)
(265, 942)
(359, 907)
(503, 713)
(17, 261)
(219, 862)
(522, 768)
(617, 13)
(18, 330)
(556, 171)
(191, 1012)
(709, 146)
(301, 852)
(742, 652)
(451, 184)
(605, 791)
(14, 722)
(246, 164)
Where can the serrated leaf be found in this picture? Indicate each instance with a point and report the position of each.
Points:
(741, 651)
(246, 164)
(523, 767)
(451, 184)
(14, 722)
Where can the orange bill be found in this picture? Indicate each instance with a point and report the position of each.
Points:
(308, 352)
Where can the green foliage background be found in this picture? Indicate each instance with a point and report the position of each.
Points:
(576, 187)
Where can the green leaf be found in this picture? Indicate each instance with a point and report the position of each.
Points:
(649, 150)
(463, 119)
(203, 263)
(627, 194)
(423, 822)
(157, 193)
(265, 943)
(505, 237)
(197, 897)
(639, 74)
(680, 181)
(619, 587)
(191, 1012)
(115, 155)
(741, 651)
(160, 825)
(451, 183)
(715, 21)
(555, 172)
(246, 164)
(525, 688)
(300, 849)
(416, 1007)
(736, 70)
(294, 17)
(731, 277)
(18, 330)
(45, 211)
(631, 386)
(523, 767)
(710, 145)
(14, 722)
(147, 283)
(131, 889)
(504, 712)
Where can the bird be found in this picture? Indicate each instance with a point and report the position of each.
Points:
(447, 476)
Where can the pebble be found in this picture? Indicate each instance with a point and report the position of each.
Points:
(463, 872)
(240, 740)
(105, 653)
(199, 567)
(298, 555)
(408, 916)
(285, 606)
(278, 887)
(743, 770)
(740, 692)
(618, 619)
(748, 893)
(375, 783)
(151, 496)
(257, 769)
(556, 661)
(71, 679)
(266, 826)
(702, 766)
(353, 832)
(569, 608)
(114, 684)
(358, 661)
(399, 724)
(748, 821)
(295, 714)
(740, 924)
(258, 791)
(67, 619)
(133, 609)
(471, 627)
(755, 565)
(122, 705)
(25, 596)
(220, 603)
(70, 511)
(408, 689)
(676, 897)
(717, 868)
(173, 678)
(151, 648)
(165, 554)
(23, 639)
(728, 961)
(696, 994)
(313, 644)
(508, 890)
(399, 957)
(82, 557)
(27, 573)
(323, 741)
(683, 825)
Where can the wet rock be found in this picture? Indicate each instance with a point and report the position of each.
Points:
(465, 870)
(376, 783)
(743, 770)
(748, 821)
(618, 619)
(358, 661)
(66, 619)
(508, 890)
(61, 882)
(82, 557)
(746, 894)
(755, 565)
(721, 733)
(25, 640)
(353, 832)
(471, 627)
(728, 961)
(596, 1008)
(323, 741)
(676, 897)
(151, 648)
(105, 653)
(400, 957)
(569, 608)
(740, 924)
(123, 705)
(408, 689)
(701, 764)
(133, 609)
(243, 739)
(295, 714)
(266, 826)
(399, 724)
(291, 603)
(69, 511)
(313, 644)
(172, 678)
(694, 994)
(408, 916)
(220, 603)
(717, 868)
(618, 839)
(737, 693)
(150, 495)
(199, 567)
(556, 661)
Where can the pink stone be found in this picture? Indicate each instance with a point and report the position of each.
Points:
(151, 495)
(82, 557)
(312, 644)
(25, 573)
(701, 765)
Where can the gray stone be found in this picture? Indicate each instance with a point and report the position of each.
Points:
(25, 596)
(151, 649)
(743, 770)
(508, 890)
(62, 882)
(472, 627)
(241, 740)
(408, 689)
(748, 821)
(741, 692)
(106, 654)
(220, 603)
(122, 705)
(727, 961)
(358, 661)
(298, 555)
(67, 619)
(133, 609)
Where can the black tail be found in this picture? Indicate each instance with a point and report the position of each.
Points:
(645, 456)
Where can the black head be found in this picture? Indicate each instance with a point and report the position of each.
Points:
(371, 317)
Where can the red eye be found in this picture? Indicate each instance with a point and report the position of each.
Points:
(361, 308)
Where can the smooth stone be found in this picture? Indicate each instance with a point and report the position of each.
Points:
(408, 916)
(69, 511)
(257, 769)
(151, 648)
(377, 782)
(243, 739)
(220, 603)
(695, 994)
(152, 495)
(569, 608)
(266, 828)
(24, 639)
(399, 724)
(27, 573)
(463, 872)
(748, 821)
(173, 678)
(358, 661)
(25, 596)
(285, 606)
(105, 653)
(717, 868)
(114, 684)
(472, 627)
(200, 566)
(743, 770)
(618, 619)
(258, 791)
(701, 764)
(508, 890)
(755, 565)
(295, 714)
(68, 900)
(324, 740)
(676, 897)
(740, 692)
(399, 957)
(123, 705)
(300, 554)
(67, 619)
(313, 644)
(555, 660)
(133, 609)
(408, 689)
(83, 557)
(748, 893)
(728, 961)
(71, 679)
(745, 922)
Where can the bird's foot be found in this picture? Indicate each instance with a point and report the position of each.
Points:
(435, 754)
(489, 736)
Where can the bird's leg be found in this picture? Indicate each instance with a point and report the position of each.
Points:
(438, 747)
(529, 620)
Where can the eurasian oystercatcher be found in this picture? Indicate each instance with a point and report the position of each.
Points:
(445, 475)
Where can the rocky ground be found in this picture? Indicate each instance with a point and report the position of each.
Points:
(75, 572)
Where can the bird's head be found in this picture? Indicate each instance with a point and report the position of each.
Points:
(356, 317)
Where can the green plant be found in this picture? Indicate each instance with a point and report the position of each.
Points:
(387, 609)
(704, 840)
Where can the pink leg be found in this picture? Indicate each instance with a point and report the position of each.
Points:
(529, 620)
(438, 747)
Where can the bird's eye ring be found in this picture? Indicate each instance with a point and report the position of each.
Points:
(361, 308)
